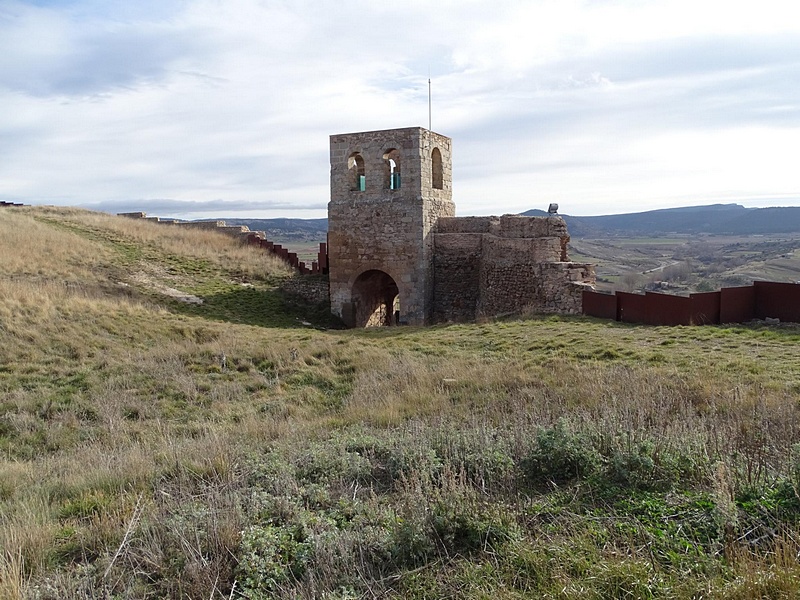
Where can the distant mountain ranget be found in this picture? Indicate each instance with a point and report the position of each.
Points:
(731, 219)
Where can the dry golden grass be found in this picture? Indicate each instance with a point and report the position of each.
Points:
(37, 251)
(77, 340)
(171, 239)
(138, 439)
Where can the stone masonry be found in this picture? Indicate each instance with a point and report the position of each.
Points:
(387, 193)
(397, 253)
(489, 266)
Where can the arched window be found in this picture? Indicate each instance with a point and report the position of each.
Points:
(392, 169)
(358, 179)
(436, 170)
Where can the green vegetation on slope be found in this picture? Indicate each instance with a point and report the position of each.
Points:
(155, 448)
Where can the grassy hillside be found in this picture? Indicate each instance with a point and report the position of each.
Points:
(157, 447)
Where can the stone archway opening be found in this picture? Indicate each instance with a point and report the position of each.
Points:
(376, 300)
(392, 169)
(358, 179)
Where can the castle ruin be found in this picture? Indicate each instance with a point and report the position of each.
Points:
(398, 254)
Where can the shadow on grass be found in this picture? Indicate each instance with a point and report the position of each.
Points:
(260, 307)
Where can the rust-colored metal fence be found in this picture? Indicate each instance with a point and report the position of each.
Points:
(764, 299)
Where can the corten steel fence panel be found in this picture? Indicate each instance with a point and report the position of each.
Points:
(665, 309)
(705, 308)
(777, 300)
(631, 308)
(596, 304)
(729, 305)
(737, 304)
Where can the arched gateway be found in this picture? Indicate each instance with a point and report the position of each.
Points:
(375, 299)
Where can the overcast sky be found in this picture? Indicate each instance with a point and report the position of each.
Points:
(199, 108)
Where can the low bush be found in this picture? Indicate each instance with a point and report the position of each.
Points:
(560, 455)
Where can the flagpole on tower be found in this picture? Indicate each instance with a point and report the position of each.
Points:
(429, 101)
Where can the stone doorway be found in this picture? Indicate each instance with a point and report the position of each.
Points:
(376, 300)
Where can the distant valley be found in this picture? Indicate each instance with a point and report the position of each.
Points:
(676, 250)
(286, 230)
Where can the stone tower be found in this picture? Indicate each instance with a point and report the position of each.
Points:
(388, 189)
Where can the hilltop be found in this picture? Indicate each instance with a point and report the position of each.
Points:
(174, 423)
(730, 219)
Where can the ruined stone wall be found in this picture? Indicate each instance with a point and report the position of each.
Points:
(457, 276)
(311, 288)
(237, 231)
(488, 266)
(515, 227)
(537, 288)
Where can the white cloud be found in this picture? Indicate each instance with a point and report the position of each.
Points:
(596, 104)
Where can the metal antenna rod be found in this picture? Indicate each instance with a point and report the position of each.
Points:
(429, 101)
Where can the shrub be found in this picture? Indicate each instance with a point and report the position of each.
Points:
(560, 455)
(411, 541)
(635, 468)
(464, 525)
(327, 462)
(271, 557)
(644, 467)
